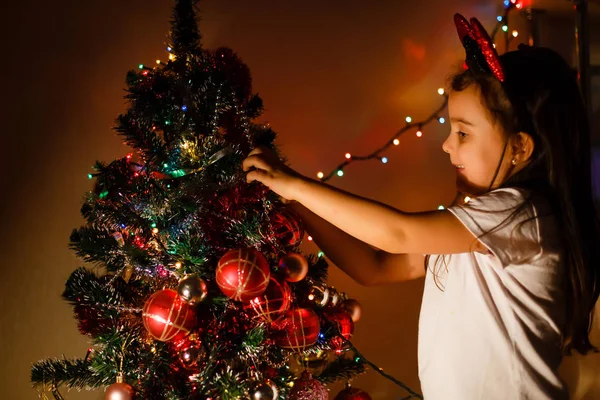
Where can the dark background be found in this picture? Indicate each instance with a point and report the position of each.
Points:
(335, 76)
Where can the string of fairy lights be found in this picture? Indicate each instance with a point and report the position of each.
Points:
(417, 126)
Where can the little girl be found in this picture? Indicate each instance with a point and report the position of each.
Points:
(513, 275)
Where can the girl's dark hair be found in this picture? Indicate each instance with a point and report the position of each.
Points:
(541, 97)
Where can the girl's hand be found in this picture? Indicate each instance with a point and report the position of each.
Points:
(272, 172)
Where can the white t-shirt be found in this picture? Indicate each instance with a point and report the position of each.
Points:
(495, 330)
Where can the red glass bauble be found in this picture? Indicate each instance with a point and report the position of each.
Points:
(272, 303)
(191, 354)
(297, 329)
(243, 274)
(352, 393)
(293, 267)
(344, 324)
(288, 228)
(308, 388)
(167, 317)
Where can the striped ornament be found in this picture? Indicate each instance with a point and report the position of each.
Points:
(297, 329)
(167, 317)
(288, 228)
(272, 303)
(243, 274)
(344, 323)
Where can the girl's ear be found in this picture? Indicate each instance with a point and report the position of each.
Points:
(523, 147)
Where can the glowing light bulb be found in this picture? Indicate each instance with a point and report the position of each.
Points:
(441, 91)
(169, 48)
(141, 66)
(506, 3)
(171, 57)
(158, 61)
(310, 238)
(321, 254)
(515, 33)
(467, 199)
(348, 156)
(442, 120)
(340, 173)
(505, 28)
(184, 108)
(408, 120)
(153, 225)
(441, 208)
(499, 18)
(155, 231)
(320, 175)
(177, 265)
(90, 176)
(519, 5)
(384, 160)
(396, 142)
(419, 133)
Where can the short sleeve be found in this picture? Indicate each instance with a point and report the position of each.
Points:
(505, 222)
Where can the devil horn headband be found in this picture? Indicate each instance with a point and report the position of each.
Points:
(481, 54)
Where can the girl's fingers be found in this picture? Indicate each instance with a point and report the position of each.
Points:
(256, 161)
(256, 175)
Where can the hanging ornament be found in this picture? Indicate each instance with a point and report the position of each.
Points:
(272, 303)
(344, 324)
(293, 267)
(334, 297)
(192, 289)
(119, 390)
(191, 354)
(351, 393)
(353, 308)
(308, 388)
(314, 363)
(319, 294)
(243, 274)
(119, 238)
(297, 329)
(127, 273)
(287, 228)
(167, 317)
(265, 390)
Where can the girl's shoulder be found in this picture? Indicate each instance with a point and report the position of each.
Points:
(511, 222)
(514, 201)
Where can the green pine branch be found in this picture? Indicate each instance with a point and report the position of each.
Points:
(342, 368)
(74, 373)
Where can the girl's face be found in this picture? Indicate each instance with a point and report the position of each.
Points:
(475, 144)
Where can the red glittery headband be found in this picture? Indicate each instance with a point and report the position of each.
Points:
(481, 54)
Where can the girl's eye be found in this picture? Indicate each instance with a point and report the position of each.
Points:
(461, 135)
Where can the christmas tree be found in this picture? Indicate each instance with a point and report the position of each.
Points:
(195, 286)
